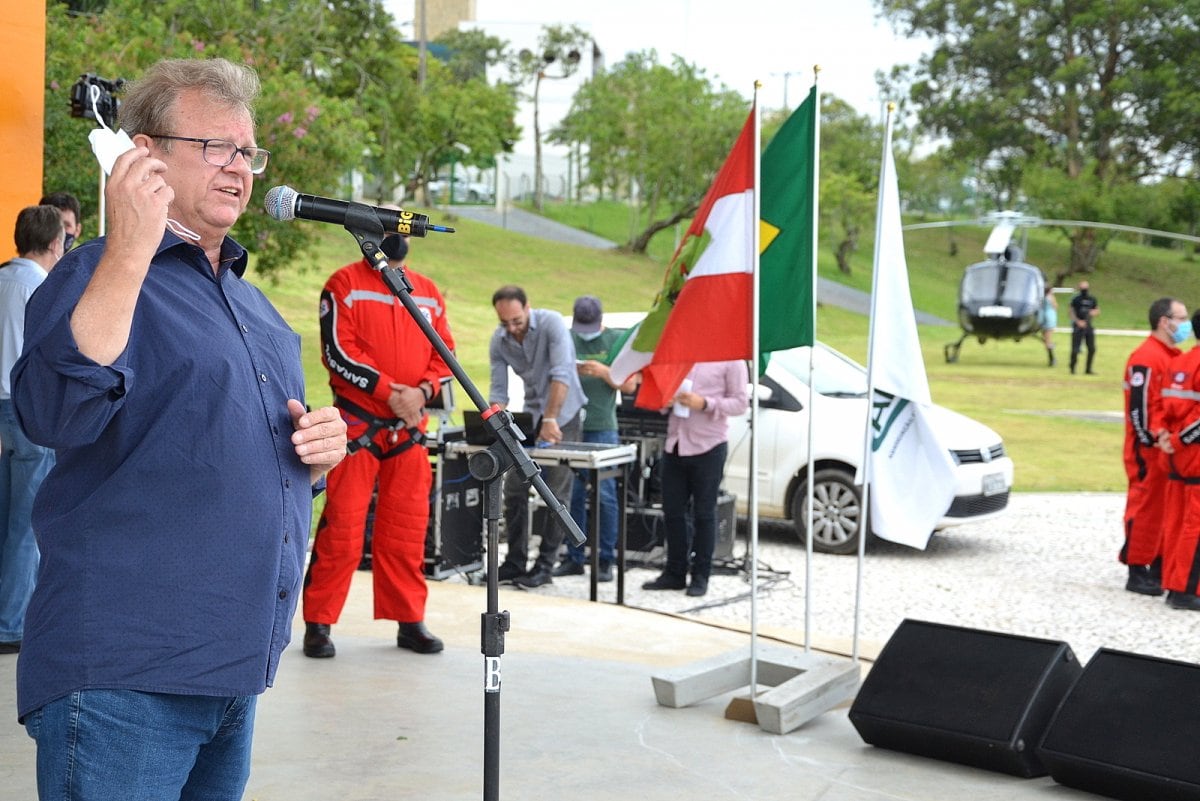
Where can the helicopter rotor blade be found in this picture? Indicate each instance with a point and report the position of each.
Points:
(1020, 220)
(1130, 229)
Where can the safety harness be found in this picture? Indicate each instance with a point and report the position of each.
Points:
(374, 426)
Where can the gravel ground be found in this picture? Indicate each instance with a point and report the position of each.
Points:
(1046, 568)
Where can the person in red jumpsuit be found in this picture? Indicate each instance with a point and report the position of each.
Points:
(1181, 516)
(1145, 462)
(383, 371)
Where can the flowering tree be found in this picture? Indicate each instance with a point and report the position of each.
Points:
(326, 108)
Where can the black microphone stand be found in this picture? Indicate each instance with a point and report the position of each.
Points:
(489, 466)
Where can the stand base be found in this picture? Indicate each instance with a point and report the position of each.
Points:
(803, 685)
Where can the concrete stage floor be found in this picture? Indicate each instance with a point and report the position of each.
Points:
(578, 719)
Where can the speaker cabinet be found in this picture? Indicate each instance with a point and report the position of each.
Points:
(454, 535)
(963, 695)
(1129, 728)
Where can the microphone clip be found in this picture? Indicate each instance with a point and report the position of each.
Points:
(364, 225)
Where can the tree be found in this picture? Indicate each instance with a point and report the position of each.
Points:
(306, 132)
(326, 109)
(468, 122)
(559, 53)
(1094, 90)
(664, 130)
(850, 147)
(472, 52)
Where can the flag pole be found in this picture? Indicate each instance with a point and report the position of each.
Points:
(865, 470)
(752, 502)
(800, 686)
(811, 468)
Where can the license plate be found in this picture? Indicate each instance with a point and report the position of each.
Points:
(995, 311)
(993, 484)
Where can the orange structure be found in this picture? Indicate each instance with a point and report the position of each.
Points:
(22, 112)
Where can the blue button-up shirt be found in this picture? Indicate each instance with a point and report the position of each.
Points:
(174, 524)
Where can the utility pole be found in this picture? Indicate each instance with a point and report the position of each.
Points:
(786, 76)
(422, 38)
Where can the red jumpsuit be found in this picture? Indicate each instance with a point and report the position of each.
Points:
(1145, 464)
(1181, 519)
(369, 341)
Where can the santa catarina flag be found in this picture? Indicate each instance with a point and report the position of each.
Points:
(787, 239)
(703, 311)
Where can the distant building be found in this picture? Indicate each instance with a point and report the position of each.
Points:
(440, 16)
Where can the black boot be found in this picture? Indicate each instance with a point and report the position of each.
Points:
(1145, 579)
(1050, 356)
(317, 643)
(1183, 600)
(415, 637)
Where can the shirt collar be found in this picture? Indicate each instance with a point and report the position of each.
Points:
(233, 255)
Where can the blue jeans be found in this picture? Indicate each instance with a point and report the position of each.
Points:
(608, 507)
(98, 745)
(23, 466)
(691, 537)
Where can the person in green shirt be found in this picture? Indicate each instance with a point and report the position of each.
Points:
(595, 348)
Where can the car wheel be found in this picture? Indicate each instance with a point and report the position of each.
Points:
(473, 196)
(837, 509)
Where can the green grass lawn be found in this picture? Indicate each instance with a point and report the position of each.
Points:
(1038, 411)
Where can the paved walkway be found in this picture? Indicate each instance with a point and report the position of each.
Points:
(578, 720)
(524, 222)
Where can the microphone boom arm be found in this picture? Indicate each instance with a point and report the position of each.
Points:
(366, 228)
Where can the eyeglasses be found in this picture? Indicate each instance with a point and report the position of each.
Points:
(221, 153)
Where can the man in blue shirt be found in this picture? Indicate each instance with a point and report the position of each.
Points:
(535, 343)
(174, 525)
(23, 465)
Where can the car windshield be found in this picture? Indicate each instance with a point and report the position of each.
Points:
(836, 376)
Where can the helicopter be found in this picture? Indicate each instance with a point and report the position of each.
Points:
(1001, 297)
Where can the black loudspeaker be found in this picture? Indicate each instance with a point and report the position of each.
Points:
(454, 541)
(1129, 728)
(976, 697)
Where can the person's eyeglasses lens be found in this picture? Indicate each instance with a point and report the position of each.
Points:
(221, 153)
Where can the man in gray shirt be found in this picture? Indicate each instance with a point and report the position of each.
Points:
(39, 238)
(536, 344)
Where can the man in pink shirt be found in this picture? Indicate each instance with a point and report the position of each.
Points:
(692, 466)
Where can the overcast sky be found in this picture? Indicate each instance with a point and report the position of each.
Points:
(735, 41)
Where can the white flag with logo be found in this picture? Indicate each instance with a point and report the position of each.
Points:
(911, 473)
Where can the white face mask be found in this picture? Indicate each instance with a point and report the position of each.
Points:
(182, 231)
(588, 337)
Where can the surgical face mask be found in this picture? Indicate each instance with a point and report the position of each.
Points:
(589, 336)
(1182, 332)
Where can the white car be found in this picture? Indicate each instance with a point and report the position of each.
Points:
(465, 191)
(984, 472)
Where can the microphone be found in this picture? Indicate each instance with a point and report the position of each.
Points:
(284, 203)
